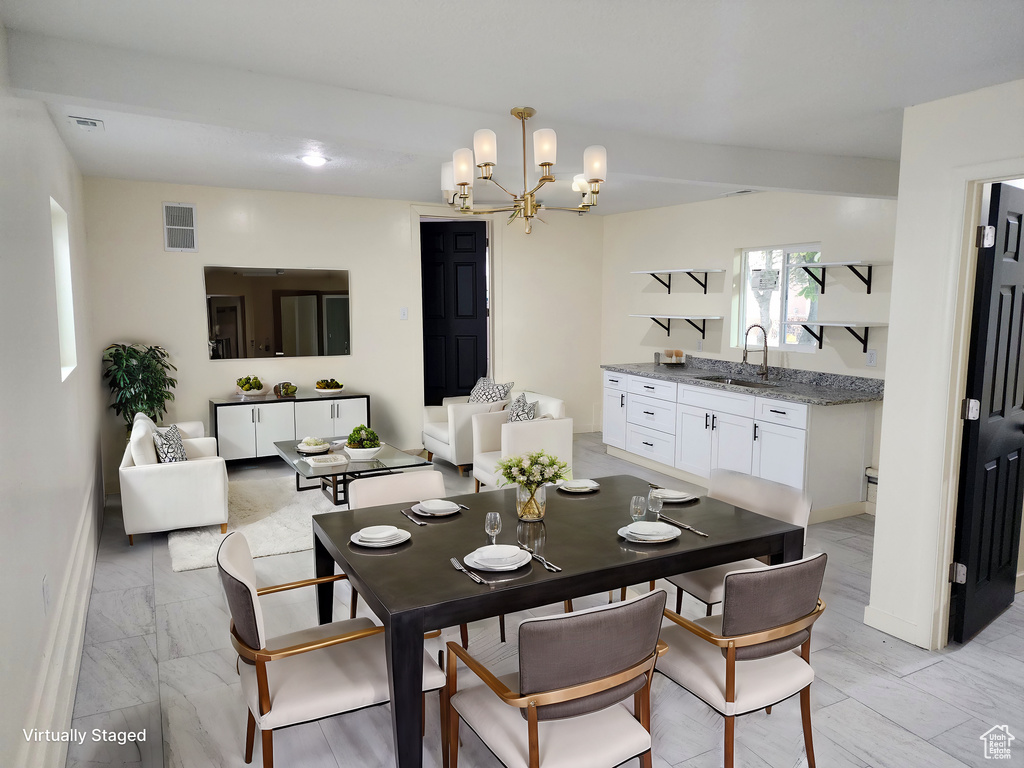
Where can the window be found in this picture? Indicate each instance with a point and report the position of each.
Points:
(776, 290)
(62, 281)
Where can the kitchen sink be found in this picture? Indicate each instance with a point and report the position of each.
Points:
(739, 382)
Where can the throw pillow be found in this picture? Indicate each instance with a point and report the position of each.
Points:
(169, 447)
(141, 443)
(521, 410)
(486, 391)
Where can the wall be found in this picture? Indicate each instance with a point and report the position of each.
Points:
(50, 494)
(946, 144)
(541, 339)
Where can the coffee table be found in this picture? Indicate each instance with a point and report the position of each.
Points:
(334, 480)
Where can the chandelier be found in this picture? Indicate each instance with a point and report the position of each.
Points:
(457, 176)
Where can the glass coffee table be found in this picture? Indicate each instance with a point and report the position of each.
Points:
(333, 479)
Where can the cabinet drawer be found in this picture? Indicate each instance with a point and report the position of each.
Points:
(717, 400)
(781, 412)
(650, 443)
(648, 412)
(663, 390)
(613, 380)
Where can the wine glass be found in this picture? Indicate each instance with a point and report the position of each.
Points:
(492, 525)
(654, 503)
(637, 508)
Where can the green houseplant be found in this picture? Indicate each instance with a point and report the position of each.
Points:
(139, 379)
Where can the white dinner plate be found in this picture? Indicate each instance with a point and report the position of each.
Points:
(669, 496)
(419, 510)
(402, 536)
(624, 533)
(582, 486)
(519, 562)
(378, 532)
(311, 449)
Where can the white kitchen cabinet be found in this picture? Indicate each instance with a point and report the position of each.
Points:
(693, 440)
(613, 423)
(248, 430)
(650, 412)
(650, 443)
(732, 442)
(715, 430)
(779, 453)
(329, 417)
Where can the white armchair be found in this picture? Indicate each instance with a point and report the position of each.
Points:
(448, 429)
(163, 497)
(495, 438)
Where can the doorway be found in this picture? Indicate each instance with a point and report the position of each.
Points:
(454, 275)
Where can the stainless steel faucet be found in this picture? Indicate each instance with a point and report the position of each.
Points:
(763, 370)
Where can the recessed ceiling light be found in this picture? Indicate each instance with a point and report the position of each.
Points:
(314, 161)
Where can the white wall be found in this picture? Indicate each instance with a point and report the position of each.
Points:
(4, 79)
(143, 294)
(712, 234)
(50, 495)
(946, 144)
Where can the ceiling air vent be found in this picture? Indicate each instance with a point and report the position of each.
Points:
(88, 124)
(179, 227)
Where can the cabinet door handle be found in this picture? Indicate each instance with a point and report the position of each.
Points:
(714, 422)
(648, 413)
(644, 442)
(707, 421)
(253, 414)
(648, 386)
(332, 410)
(781, 413)
(613, 381)
(755, 433)
(622, 401)
(259, 416)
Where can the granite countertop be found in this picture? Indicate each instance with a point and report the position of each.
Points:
(791, 385)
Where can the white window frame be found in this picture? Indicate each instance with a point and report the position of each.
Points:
(783, 296)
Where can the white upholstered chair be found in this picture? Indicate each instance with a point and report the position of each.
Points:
(782, 502)
(496, 438)
(743, 660)
(448, 429)
(566, 704)
(165, 497)
(306, 675)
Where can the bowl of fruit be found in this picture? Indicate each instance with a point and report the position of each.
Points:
(362, 444)
(249, 386)
(285, 389)
(328, 387)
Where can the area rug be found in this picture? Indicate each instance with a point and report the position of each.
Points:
(274, 517)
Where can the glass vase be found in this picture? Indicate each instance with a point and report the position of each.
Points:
(531, 504)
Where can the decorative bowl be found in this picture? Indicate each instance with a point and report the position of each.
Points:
(251, 392)
(362, 454)
(330, 391)
(281, 388)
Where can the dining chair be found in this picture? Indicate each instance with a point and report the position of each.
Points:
(396, 489)
(307, 675)
(575, 672)
(775, 500)
(743, 659)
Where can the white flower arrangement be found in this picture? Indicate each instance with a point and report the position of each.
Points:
(532, 470)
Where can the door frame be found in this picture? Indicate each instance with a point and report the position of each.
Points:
(425, 214)
(972, 179)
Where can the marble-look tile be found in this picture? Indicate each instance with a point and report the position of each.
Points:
(172, 587)
(191, 626)
(893, 655)
(96, 751)
(116, 675)
(124, 569)
(877, 740)
(965, 744)
(116, 615)
(1011, 645)
(189, 675)
(890, 696)
(205, 730)
(303, 745)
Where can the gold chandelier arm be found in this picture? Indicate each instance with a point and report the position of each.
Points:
(485, 211)
(578, 209)
(540, 184)
(510, 194)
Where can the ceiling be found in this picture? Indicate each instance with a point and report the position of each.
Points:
(693, 99)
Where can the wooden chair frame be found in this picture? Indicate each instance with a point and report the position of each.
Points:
(261, 657)
(731, 643)
(530, 702)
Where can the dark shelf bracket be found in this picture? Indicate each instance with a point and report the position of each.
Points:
(700, 328)
(704, 285)
(819, 336)
(866, 279)
(667, 282)
(667, 325)
(819, 280)
(862, 339)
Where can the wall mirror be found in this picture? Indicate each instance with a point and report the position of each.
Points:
(276, 312)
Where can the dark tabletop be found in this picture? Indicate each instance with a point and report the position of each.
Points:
(579, 533)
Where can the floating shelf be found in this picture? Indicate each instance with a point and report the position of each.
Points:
(691, 319)
(667, 281)
(849, 326)
(854, 266)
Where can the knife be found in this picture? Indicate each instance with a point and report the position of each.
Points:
(406, 513)
(684, 526)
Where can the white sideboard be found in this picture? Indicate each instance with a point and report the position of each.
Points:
(249, 428)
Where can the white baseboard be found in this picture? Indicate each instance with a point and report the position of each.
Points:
(897, 627)
(52, 705)
(1020, 582)
(842, 510)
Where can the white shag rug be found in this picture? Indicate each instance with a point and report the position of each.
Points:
(274, 517)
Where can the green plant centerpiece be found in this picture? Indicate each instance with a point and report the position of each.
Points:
(530, 474)
(363, 437)
(139, 378)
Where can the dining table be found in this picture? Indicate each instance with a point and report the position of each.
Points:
(414, 588)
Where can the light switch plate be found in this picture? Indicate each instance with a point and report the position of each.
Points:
(403, 313)
(872, 360)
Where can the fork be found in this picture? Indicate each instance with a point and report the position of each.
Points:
(460, 567)
(550, 566)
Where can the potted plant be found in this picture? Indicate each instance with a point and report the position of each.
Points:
(362, 443)
(531, 474)
(139, 379)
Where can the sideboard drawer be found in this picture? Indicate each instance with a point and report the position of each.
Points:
(781, 412)
(651, 444)
(663, 390)
(613, 380)
(648, 412)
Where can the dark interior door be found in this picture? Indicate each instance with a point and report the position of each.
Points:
(453, 260)
(991, 471)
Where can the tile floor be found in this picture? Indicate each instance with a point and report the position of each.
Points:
(157, 657)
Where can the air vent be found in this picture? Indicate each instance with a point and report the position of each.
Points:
(179, 227)
(89, 124)
(737, 192)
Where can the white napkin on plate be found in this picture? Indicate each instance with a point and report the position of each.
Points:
(648, 529)
(497, 554)
(437, 505)
(378, 533)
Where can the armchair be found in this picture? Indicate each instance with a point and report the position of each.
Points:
(448, 429)
(164, 497)
(495, 438)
